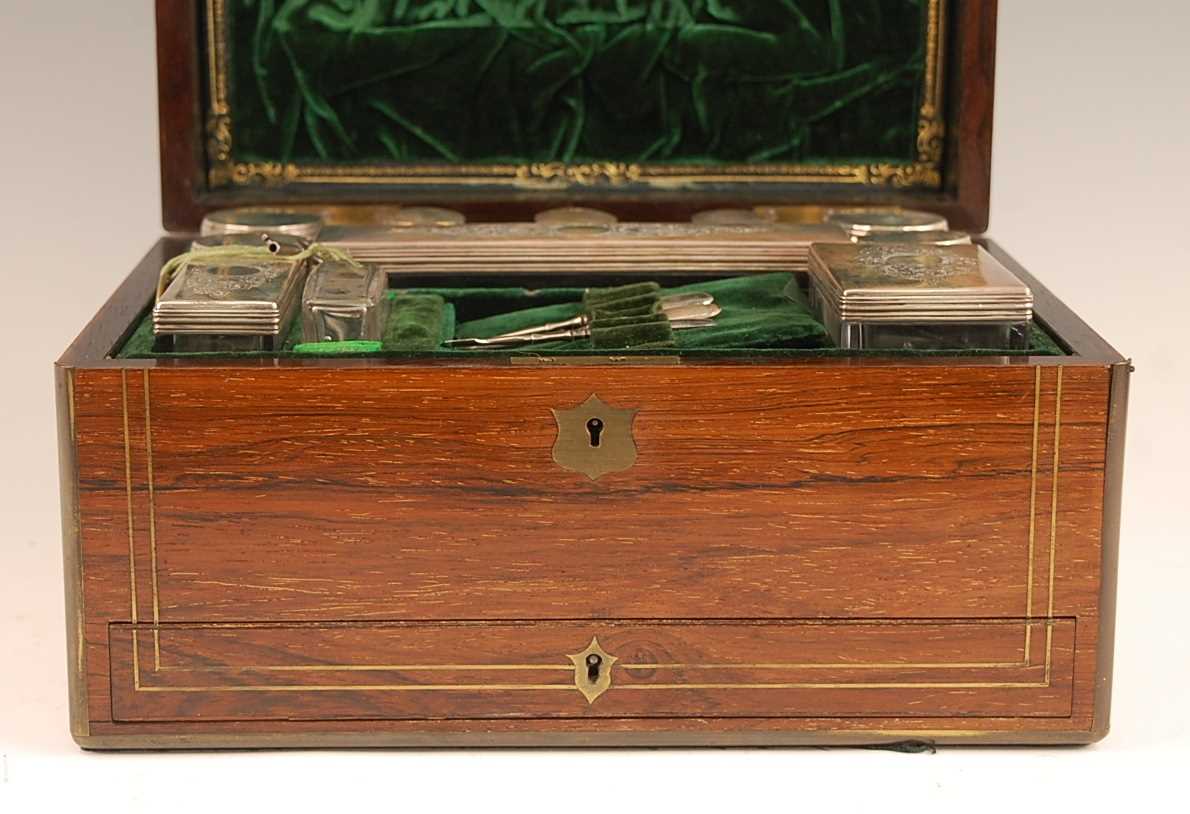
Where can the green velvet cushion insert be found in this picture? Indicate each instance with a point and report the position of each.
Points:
(656, 81)
(757, 319)
(756, 314)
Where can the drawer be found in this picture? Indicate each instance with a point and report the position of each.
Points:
(600, 670)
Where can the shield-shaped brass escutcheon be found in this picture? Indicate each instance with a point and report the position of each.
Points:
(593, 670)
(595, 439)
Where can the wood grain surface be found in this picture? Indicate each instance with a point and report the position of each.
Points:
(775, 498)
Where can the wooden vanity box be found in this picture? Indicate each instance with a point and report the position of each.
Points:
(804, 548)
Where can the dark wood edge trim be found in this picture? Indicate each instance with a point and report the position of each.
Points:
(72, 560)
(497, 739)
(180, 113)
(1079, 338)
(971, 88)
(1113, 488)
(117, 316)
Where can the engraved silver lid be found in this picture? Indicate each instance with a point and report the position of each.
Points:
(862, 222)
(408, 217)
(280, 244)
(575, 216)
(256, 221)
(895, 282)
(732, 217)
(947, 238)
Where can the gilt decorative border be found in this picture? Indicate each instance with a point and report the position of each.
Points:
(925, 172)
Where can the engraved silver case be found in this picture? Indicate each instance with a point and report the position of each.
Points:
(878, 296)
(344, 301)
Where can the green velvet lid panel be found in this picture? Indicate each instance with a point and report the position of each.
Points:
(527, 92)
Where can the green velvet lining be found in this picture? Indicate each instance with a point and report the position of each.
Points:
(350, 347)
(656, 81)
(418, 322)
(758, 319)
(756, 314)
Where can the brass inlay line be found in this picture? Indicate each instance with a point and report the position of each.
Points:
(152, 527)
(136, 662)
(956, 685)
(366, 668)
(1054, 496)
(382, 668)
(366, 688)
(572, 688)
(923, 171)
(891, 665)
(128, 492)
(516, 667)
(1032, 513)
(1049, 633)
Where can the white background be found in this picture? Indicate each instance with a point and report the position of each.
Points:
(1090, 193)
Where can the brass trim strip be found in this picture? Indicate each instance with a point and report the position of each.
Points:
(128, 492)
(923, 172)
(1054, 496)
(890, 665)
(1032, 514)
(365, 688)
(413, 668)
(1049, 633)
(1028, 624)
(137, 686)
(152, 524)
(368, 668)
(941, 685)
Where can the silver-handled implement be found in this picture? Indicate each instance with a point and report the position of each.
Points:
(666, 305)
(557, 336)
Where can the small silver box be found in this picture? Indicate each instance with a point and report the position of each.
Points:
(899, 296)
(344, 301)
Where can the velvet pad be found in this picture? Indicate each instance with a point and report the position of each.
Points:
(655, 81)
(756, 314)
(757, 319)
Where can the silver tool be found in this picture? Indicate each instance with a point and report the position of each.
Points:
(556, 336)
(666, 305)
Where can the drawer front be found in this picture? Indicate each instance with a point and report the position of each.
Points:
(433, 494)
(485, 670)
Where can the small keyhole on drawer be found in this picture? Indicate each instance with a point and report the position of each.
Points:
(595, 429)
(594, 661)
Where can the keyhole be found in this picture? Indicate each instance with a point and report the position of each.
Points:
(594, 661)
(595, 429)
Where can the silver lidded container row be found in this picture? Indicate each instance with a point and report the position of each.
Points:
(232, 305)
(253, 221)
(863, 223)
(898, 296)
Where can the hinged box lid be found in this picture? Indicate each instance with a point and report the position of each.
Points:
(653, 108)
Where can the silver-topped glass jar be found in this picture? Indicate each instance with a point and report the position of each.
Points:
(897, 296)
(256, 221)
(865, 222)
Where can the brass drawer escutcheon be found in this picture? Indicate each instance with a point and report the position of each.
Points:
(593, 670)
(595, 439)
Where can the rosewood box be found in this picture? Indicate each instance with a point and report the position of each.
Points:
(768, 547)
